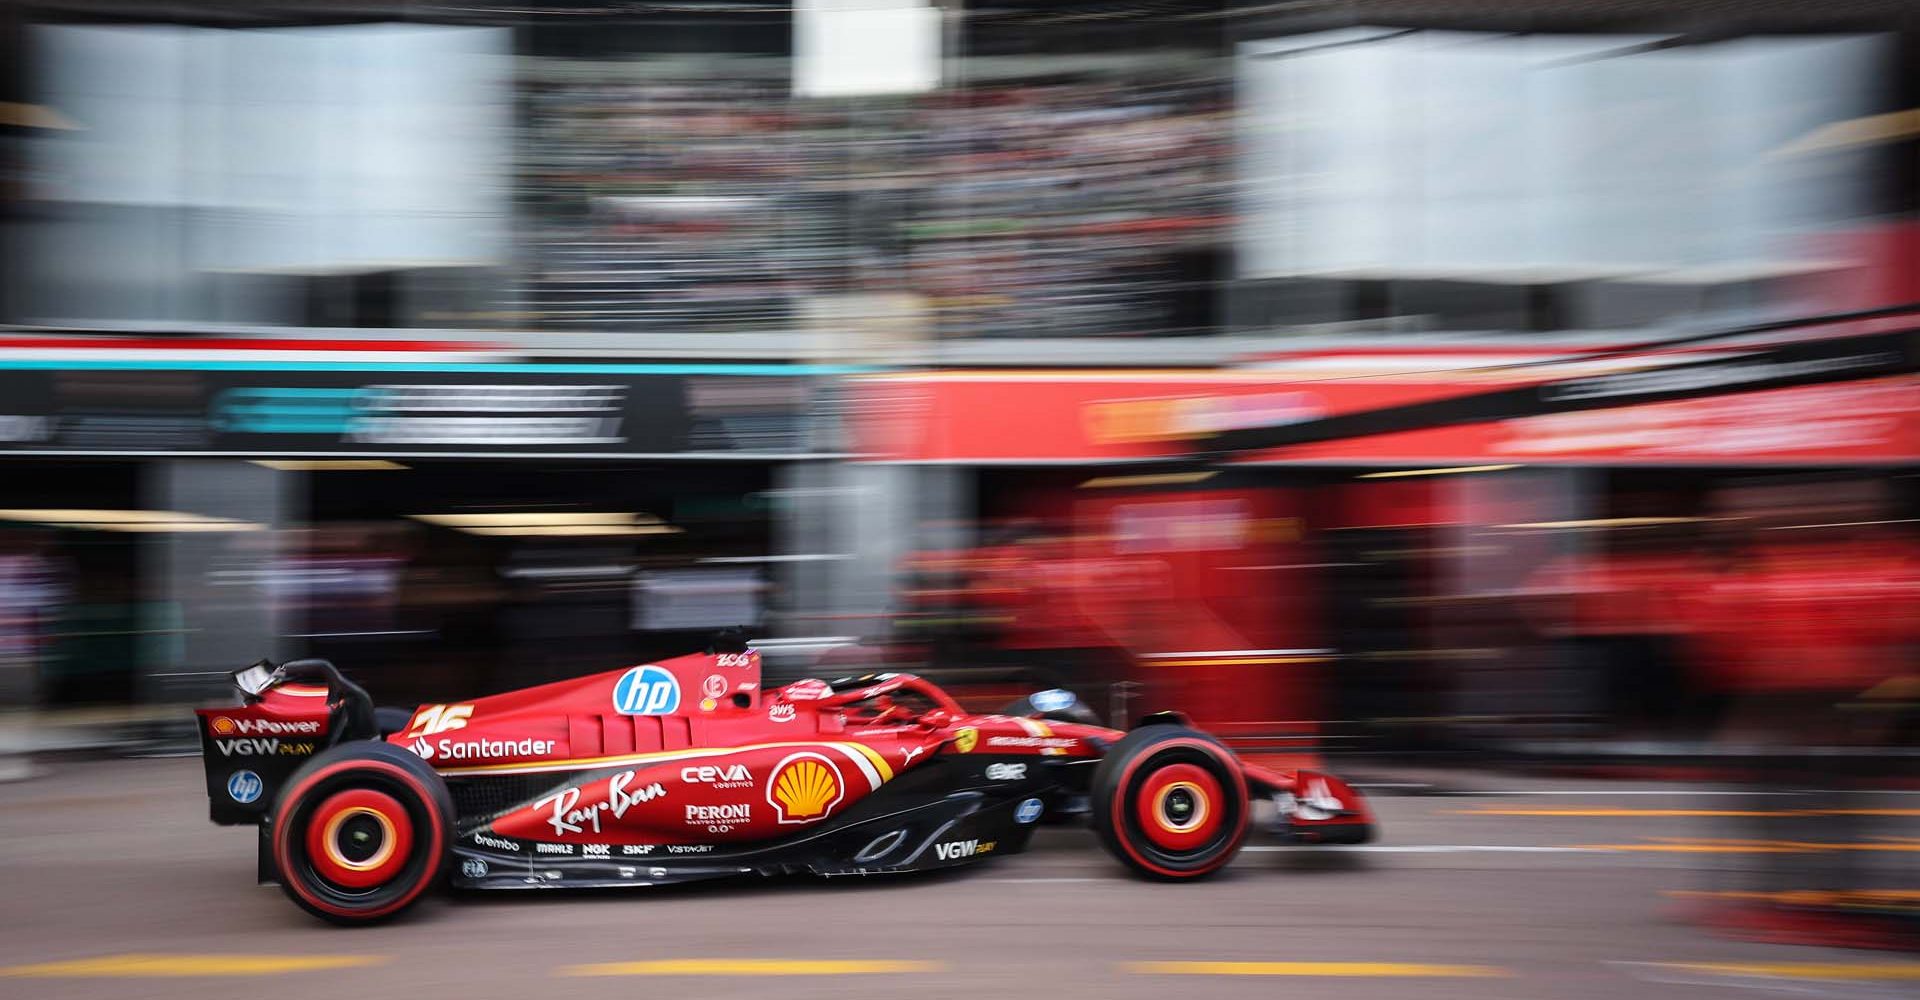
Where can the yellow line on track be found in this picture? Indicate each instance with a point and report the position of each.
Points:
(749, 967)
(145, 965)
(1404, 970)
(1886, 971)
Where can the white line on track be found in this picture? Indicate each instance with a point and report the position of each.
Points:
(1680, 974)
(1419, 849)
(1687, 792)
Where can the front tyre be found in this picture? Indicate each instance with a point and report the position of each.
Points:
(1170, 803)
(362, 832)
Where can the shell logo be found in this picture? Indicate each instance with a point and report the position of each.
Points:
(804, 787)
(966, 739)
(221, 726)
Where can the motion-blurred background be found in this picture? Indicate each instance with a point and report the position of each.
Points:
(1522, 380)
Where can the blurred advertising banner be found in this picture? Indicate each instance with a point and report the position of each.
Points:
(1821, 361)
(1871, 421)
(1078, 417)
(1075, 418)
(403, 412)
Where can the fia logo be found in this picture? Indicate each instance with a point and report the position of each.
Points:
(646, 690)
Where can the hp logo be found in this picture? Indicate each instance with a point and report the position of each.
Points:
(646, 690)
(244, 786)
(1028, 811)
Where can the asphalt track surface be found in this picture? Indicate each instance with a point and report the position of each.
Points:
(112, 884)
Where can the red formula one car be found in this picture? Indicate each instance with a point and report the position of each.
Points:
(685, 769)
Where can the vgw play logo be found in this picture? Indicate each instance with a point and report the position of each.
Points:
(646, 690)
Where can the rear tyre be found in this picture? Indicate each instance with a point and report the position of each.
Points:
(1170, 803)
(362, 832)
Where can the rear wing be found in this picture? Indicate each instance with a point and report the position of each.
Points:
(287, 713)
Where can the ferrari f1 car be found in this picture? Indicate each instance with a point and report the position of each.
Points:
(685, 769)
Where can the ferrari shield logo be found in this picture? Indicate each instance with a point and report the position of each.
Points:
(966, 739)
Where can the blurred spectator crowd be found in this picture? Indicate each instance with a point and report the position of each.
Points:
(1077, 205)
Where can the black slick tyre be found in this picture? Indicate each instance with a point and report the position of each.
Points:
(361, 833)
(1170, 803)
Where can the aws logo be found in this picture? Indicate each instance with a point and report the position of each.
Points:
(805, 787)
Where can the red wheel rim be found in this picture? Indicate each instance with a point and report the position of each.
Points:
(359, 838)
(1181, 807)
